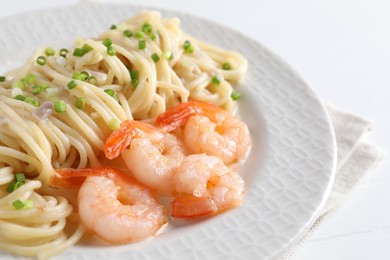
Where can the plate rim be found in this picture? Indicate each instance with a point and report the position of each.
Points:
(275, 56)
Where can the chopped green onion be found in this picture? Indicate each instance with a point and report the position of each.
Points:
(127, 33)
(37, 89)
(80, 75)
(20, 97)
(30, 78)
(18, 184)
(113, 27)
(141, 44)
(85, 75)
(41, 60)
(155, 57)
(188, 47)
(235, 95)
(19, 180)
(59, 106)
(110, 92)
(139, 35)
(134, 78)
(168, 55)
(72, 84)
(80, 103)
(153, 36)
(28, 204)
(18, 204)
(111, 51)
(80, 52)
(19, 84)
(226, 66)
(31, 101)
(50, 51)
(43, 85)
(92, 80)
(63, 52)
(86, 48)
(20, 177)
(147, 27)
(11, 186)
(107, 42)
(2, 78)
(216, 80)
(114, 123)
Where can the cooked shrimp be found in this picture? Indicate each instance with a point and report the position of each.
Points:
(121, 138)
(206, 186)
(113, 205)
(153, 154)
(208, 129)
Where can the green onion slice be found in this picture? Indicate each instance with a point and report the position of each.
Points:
(80, 75)
(28, 204)
(139, 35)
(59, 106)
(2, 78)
(11, 186)
(107, 42)
(142, 44)
(155, 57)
(20, 97)
(114, 123)
(153, 36)
(188, 47)
(134, 78)
(80, 103)
(111, 51)
(235, 95)
(18, 204)
(80, 52)
(19, 177)
(216, 80)
(85, 75)
(72, 84)
(147, 27)
(41, 60)
(36, 89)
(31, 101)
(92, 80)
(127, 33)
(226, 66)
(49, 51)
(110, 92)
(19, 84)
(30, 78)
(63, 52)
(168, 55)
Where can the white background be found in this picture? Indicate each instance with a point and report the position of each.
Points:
(342, 50)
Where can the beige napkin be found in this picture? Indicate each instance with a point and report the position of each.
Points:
(355, 157)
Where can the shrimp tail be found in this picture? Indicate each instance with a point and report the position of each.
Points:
(190, 206)
(178, 115)
(73, 178)
(120, 139)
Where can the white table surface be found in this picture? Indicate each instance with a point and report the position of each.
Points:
(342, 50)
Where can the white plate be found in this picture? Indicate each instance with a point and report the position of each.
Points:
(289, 171)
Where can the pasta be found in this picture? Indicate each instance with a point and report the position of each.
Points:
(59, 108)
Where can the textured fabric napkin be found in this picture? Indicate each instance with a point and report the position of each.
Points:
(355, 158)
